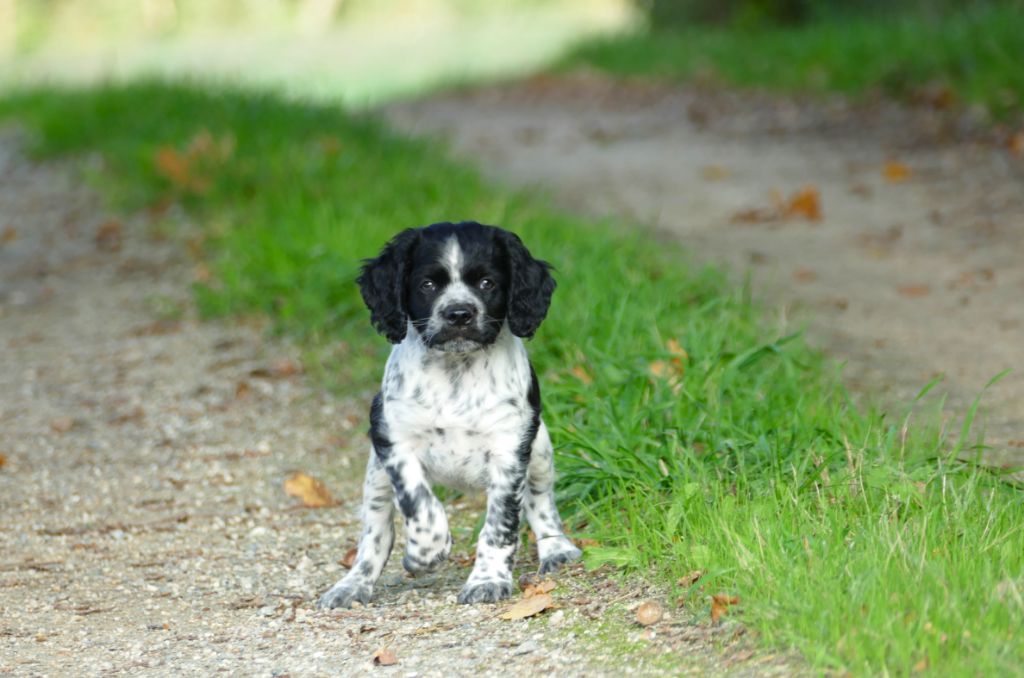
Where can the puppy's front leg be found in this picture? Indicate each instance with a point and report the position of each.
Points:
(427, 538)
(491, 578)
(378, 513)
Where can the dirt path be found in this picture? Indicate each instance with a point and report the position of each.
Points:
(903, 280)
(145, 530)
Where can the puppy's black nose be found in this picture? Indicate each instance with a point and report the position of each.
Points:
(459, 316)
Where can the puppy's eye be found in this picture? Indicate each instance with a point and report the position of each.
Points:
(428, 286)
(485, 284)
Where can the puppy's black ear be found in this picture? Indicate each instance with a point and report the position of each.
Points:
(382, 285)
(530, 287)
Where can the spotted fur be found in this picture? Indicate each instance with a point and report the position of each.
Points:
(459, 406)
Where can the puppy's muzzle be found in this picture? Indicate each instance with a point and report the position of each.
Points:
(459, 315)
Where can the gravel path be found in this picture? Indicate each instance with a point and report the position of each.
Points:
(145, 529)
(912, 271)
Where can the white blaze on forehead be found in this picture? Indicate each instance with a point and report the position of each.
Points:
(456, 291)
(452, 258)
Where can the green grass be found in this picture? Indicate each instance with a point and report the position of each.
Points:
(861, 542)
(977, 55)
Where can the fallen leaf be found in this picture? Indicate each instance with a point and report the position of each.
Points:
(921, 666)
(62, 424)
(280, 370)
(649, 613)
(1015, 144)
(914, 291)
(463, 559)
(585, 543)
(135, 414)
(173, 166)
(527, 607)
(309, 490)
(546, 586)
(805, 203)
(805, 275)
(3, 460)
(349, 559)
(580, 373)
(690, 578)
(660, 368)
(895, 172)
(720, 603)
(108, 236)
(384, 657)
(754, 215)
(287, 368)
(10, 234)
(242, 390)
(676, 349)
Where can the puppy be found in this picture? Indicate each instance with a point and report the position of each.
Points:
(459, 406)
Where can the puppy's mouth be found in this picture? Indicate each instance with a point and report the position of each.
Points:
(457, 340)
(459, 345)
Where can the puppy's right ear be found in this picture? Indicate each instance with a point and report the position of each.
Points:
(382, 285)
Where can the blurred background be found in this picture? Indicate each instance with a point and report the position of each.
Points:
(364, 51)
(358, 50)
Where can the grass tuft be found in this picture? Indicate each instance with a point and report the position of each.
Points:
(972, 56)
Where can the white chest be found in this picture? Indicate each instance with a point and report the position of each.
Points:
(458, 414)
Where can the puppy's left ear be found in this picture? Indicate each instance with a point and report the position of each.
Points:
(382, 285)
(530, 287)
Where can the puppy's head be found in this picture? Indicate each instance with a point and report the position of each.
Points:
(456, 285)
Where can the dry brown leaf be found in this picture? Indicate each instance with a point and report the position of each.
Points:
(286, 367)
(690, 578)
(135, 414)
(9, 234)
(3, 460)
(676, 349)
(108, 236)
(660, 369)
(585, 543)
(309, 490)
(242, 390)
(720, 603)
(349, 559)
(173, 166)
(581, 373)
(202, 273)
(754, 215)
(527, 607)
(914, 291)
(1016, 144)
(62, 424)
(649, 613)
(384, 657)
(804, 275)
(805, 203)
(531, 589)
(896, 172)
(463, 559)
(921, 666)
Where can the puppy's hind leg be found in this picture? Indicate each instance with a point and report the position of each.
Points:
(378, 512)
(553, 547)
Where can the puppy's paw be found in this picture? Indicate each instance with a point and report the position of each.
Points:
(344, 593)
(485, 592)
(567, 553)
(423, 559)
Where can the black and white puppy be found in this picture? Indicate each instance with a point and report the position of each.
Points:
(459, 406)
